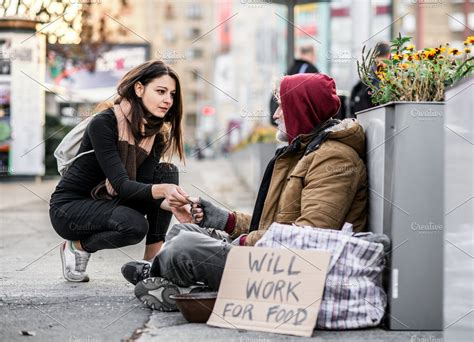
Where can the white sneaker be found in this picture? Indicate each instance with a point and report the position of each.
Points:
(74, 263)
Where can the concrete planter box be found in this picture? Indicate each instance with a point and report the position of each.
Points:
(405, 169)
(251, 161)
(459, 212)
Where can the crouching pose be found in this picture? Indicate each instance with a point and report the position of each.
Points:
(103, 197)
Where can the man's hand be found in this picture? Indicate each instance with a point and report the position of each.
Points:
(206, 214)
(196, 210)
(182, 214)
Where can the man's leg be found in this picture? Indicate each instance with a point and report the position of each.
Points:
(187, 259)
(135, 271)
(192, 257)
(190, 227)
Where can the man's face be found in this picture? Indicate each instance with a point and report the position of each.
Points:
(281, 134)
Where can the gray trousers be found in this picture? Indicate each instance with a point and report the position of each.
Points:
(191, 255)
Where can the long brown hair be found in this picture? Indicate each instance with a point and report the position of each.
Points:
(169, 126)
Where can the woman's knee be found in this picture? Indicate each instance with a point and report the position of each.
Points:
(130, 223)
(167, 173)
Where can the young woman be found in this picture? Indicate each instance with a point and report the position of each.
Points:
(102, 199)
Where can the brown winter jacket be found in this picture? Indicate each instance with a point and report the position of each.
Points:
(323, 189)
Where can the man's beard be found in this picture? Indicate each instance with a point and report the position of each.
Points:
(281, 134)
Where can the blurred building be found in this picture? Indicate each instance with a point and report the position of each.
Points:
(253, 55)
(432, 23)
(250, 57)
(354, 24)
(229, 53)
(182, 35)
(177, 32)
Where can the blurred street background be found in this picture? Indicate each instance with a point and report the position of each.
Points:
(229, 55)
(60, 59)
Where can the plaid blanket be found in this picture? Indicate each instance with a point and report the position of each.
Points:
(353, 295)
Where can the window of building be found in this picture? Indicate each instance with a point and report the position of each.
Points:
(194, 11)
(191, 119)
(193, 33)
(169, 35)
(195, 74)
(169, 12)
(195, 53)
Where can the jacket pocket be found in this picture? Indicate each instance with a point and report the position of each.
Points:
(290, 200)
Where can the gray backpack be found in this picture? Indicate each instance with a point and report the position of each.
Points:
(66, 152)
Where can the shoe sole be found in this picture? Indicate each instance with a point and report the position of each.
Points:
(155, 293)
(63, 262)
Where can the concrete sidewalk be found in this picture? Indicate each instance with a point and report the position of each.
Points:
(34, 296)
(36, 299)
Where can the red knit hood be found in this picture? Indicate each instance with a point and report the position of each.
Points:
(306, 101)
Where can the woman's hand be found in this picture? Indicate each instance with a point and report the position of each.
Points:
(174, 195)
(183, 214)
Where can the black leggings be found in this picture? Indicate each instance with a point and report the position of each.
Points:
(106, 224)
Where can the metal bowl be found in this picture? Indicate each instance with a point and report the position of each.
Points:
(196, 307)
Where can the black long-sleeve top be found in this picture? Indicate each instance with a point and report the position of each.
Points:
(89, 170)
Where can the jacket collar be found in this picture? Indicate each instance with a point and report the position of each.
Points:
(311, 141)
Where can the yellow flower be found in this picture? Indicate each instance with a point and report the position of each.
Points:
(425, 54)
(430, 53)
(440, 49)
(467, 50)
(396, 57)
(454, 52)
(404, 66)
(469, 40)
(410, 47)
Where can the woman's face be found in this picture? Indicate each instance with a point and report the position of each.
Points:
(158, 95)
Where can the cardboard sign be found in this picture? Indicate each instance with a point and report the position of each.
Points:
(269, 289)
